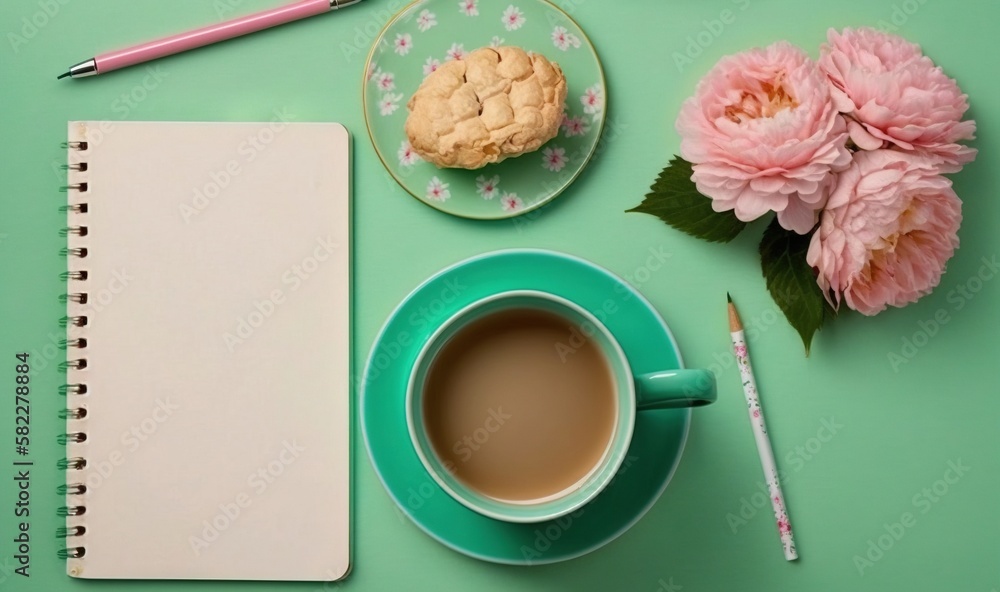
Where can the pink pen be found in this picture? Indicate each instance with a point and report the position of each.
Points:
(153, 50)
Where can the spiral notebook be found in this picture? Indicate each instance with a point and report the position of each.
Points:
(208, 339)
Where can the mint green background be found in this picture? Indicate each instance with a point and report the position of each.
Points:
(899, 429)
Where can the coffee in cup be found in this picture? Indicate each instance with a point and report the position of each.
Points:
(522, 405)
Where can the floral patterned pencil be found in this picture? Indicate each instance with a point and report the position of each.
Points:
(760, 432)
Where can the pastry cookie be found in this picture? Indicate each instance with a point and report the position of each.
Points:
(493, 104)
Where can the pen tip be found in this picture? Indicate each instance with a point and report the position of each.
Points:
(61, 76)
(729, 298)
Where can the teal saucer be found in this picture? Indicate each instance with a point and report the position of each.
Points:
(657, 442)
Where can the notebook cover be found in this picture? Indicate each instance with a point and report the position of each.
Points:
(217, 350)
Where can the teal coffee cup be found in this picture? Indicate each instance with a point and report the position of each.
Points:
(633, 393)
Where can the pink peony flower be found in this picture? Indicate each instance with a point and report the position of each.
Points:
(764, 135)
(887, 232)
(896, 97)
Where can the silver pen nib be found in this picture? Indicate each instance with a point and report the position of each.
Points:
(88, 68)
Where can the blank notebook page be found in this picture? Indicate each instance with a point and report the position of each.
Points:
(217, 351)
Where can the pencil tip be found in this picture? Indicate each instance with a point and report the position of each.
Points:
(61, 76)
(729, 298)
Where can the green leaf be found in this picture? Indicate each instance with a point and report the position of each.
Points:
(791, 281)
(674, 199)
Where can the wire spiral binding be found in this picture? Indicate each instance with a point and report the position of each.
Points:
(76, 190)
(72, 553)
(79, 413)
(75, 364)
(74, 321)
(63, 533)
(73, 389)
(76, 437)
(72, 464)
(78, 298)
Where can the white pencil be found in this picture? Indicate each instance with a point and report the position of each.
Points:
(760, 433)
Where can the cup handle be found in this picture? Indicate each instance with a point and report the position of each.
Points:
(674, 389)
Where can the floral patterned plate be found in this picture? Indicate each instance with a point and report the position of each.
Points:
(428, 33)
